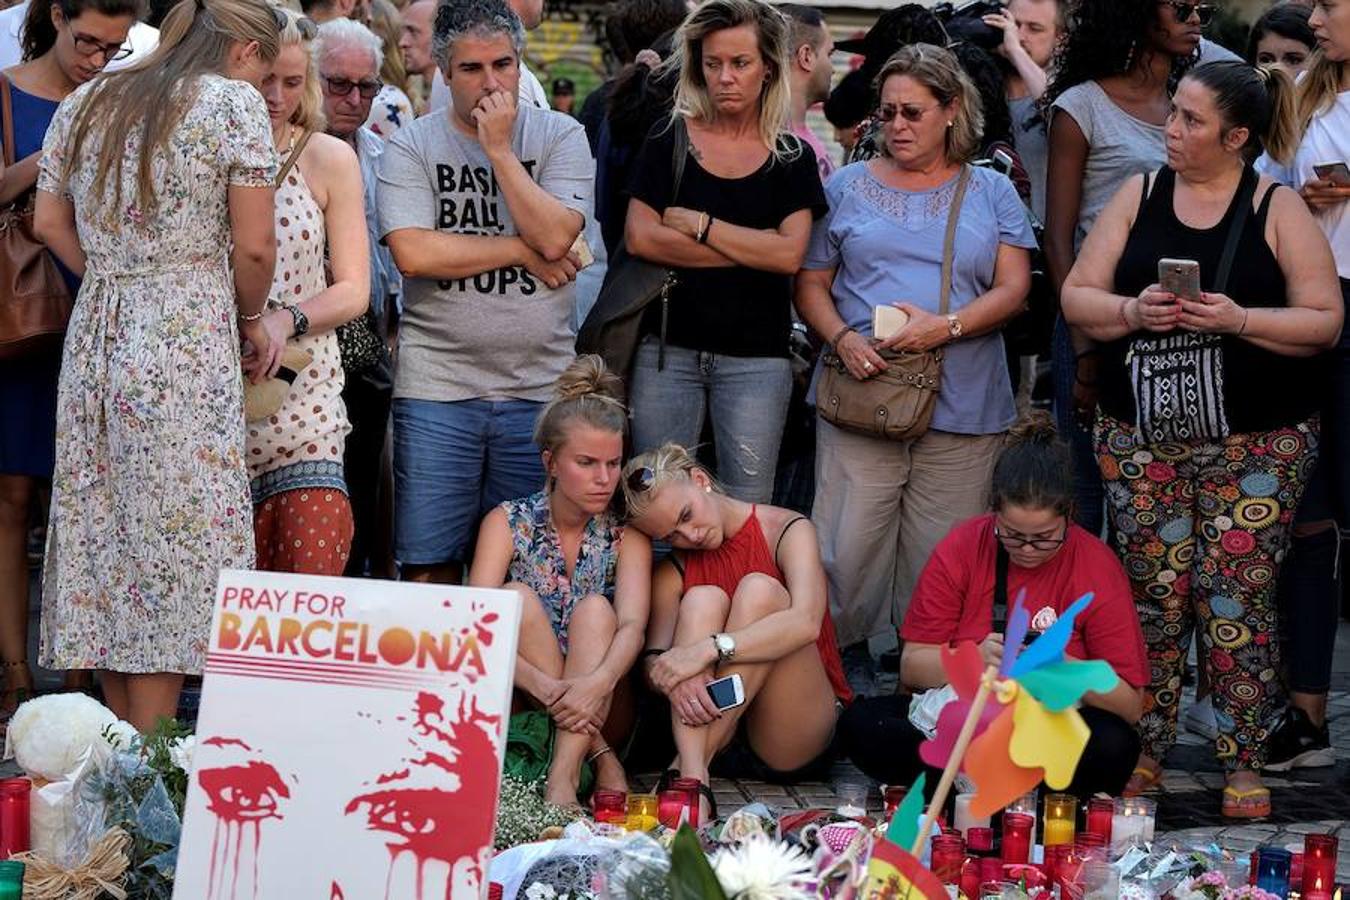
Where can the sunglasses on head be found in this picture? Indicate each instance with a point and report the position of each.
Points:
(1185, 10)
(641, 479)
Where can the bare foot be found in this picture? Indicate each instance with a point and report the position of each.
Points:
(1147, 774)
(561, 792)
(609, 774)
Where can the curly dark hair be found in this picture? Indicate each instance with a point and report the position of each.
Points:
(1104, 38)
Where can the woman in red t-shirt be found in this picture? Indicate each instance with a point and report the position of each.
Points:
(1028, 542)
(743, 592)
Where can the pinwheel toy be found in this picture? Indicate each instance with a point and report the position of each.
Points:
(1032, 732)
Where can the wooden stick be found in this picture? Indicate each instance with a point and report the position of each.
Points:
(963, 740)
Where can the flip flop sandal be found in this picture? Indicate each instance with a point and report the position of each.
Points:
(1148, 779)
(1240, 806)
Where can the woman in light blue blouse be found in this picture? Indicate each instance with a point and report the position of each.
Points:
(882, 505)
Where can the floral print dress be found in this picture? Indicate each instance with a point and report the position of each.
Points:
(538, 561)
(150, 497)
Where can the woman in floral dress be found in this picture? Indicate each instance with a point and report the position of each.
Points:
(583, 579)
(175, 241)
(302, 519)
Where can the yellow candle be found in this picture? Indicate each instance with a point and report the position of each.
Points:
(1058, 831)
(642, 812)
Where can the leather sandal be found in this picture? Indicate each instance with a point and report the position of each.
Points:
(1253, 803)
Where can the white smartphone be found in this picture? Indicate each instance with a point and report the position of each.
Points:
(727, 693)
(887, 320)
(1337, 172)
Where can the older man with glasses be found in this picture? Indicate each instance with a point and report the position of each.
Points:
(348, 57)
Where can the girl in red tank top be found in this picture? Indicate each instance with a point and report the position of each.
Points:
(725, 604)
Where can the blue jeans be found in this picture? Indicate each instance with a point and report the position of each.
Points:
(453, 462)
(745, 397)
(1087, 477)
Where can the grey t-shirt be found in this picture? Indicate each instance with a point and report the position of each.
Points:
(502, 334)
(1033, 146)
(1119, 145)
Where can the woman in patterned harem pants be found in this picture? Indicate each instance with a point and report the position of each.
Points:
(1201, 529)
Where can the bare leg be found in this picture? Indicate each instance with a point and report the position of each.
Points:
(16, 492)
(114, 685)
(589, 636)
(703, 611)
(152, 697)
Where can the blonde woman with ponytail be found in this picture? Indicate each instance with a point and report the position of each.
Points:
(1310, 592)
(167, 168)
(302, 517)
(1220, 492)
(583, 578)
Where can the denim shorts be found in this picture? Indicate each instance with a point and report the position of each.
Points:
(453, 462)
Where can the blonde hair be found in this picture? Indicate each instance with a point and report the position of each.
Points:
(151, 97)
(309, 114)
(585, 392)
(667, 464)
(691, 93)
(937, 69)
(1317, 91)
(386, 22)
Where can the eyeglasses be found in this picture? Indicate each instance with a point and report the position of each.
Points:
(1016, 541)
(911, 114)
(88, 46)
(1184, 10)
(341, 87)
(641, 479)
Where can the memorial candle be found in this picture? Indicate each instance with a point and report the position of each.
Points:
(1132, 824)
(642, 812)
(980, 841)
(1272, 870)
(949, 854)
(962, 818)
(14, 816)
(611, 807)
(970, 878)
(690, 786)
(1061, 811)
(1319, 864)
(1100, 812)
(1017, 829)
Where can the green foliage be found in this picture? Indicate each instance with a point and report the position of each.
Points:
(691, 876)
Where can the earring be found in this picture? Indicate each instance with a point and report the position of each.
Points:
(707, 489)
(950, 124)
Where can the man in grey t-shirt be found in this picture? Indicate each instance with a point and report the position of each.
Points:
(480, 205)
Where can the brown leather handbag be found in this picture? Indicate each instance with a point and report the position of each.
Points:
(35, 303)
(896, 404)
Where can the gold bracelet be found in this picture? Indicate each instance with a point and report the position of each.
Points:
(252, 317)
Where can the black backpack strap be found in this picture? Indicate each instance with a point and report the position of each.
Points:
(679, 154)
(1246, 192)
(1001, 582)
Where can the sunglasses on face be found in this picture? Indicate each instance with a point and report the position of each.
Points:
(1204, 11)
(908, 112)
(341, 87)
(89, 46)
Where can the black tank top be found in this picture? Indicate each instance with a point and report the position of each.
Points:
(1261, 390)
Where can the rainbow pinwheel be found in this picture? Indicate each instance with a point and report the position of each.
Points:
(1033, 732)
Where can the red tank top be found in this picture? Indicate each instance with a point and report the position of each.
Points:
(746, 552)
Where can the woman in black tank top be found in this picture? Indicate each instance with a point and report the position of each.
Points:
(1207, 427)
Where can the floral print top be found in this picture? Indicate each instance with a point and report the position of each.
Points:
(538, 559)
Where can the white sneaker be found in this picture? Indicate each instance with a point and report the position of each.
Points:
(1199, 719)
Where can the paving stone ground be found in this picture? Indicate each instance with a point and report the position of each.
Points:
(1304, 801)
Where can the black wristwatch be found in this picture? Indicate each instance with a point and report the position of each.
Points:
(301, 321)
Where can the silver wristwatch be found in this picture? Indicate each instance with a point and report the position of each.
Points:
(726, 647)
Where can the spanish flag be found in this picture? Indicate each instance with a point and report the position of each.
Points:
(893, 873)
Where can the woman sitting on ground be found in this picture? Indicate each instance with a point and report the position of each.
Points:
(724, 604)
(1028, 542)
(583, 578)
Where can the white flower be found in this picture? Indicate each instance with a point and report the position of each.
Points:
(540, 891)
(763, 869)
(180, 751)
(49, 734)
(1044, 618)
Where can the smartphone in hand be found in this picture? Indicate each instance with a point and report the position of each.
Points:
(1180, 277)
(1336, 172)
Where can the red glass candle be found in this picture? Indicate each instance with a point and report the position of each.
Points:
(991, 869)
(611, 807)
(949, 854)
(1017, 837)
(690, 787)
(980, 841)
(14, 796)
(1319, 864)
(1055, 856)
(970, 879)
(1099, 813)
(1295, 869)
(1090, 844)
(1069, 872)
(1251, 870)
(672, 806)
(893, 795)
